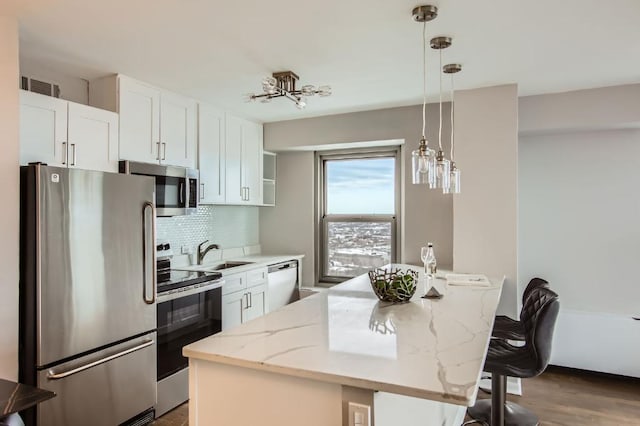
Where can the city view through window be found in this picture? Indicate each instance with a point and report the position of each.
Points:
(359, 215)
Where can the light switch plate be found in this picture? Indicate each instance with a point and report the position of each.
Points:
(359, 414)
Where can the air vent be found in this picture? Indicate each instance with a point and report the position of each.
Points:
(42, 87)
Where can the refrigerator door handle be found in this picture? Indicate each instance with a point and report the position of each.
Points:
(57, 376)
(147, 265)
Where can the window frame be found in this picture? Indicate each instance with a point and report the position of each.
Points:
(322, 219)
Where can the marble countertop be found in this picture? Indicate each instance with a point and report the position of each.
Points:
(256, 261)
(16, 397)
(431, 349)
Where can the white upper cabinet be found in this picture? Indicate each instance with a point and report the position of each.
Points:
(43, 129)
(139, 108)
(177, 130)
(252, 162)
(93, 138)
(156, 126)
(211, 155)
(235, 192)
(243, 161)
(66, 134)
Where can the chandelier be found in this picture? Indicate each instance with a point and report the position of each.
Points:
(283, 84)
(428, 166)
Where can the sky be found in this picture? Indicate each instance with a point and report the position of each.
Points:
(362, 186)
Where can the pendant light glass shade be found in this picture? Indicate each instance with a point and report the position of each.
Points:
(454, 175)
(454, 180)
(421, 164)
(442, 172)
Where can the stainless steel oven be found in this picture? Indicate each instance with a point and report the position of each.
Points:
(189, 309)
(176, 187)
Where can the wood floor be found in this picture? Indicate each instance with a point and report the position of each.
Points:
(558, 397)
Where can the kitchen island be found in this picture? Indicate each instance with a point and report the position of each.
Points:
(413, 363)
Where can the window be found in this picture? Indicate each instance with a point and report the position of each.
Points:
(358, 203)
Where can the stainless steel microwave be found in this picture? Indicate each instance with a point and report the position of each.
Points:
(176, 187)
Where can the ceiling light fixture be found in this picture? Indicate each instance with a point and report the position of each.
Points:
(283, 84)
(441, 164)
(421, 158)
(454, 184)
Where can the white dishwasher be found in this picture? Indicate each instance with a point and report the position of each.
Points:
(282, 282)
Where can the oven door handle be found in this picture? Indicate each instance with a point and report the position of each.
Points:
(51, 375)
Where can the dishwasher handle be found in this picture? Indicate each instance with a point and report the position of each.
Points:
(282, 266)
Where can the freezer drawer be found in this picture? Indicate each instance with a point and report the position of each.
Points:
(102, 389)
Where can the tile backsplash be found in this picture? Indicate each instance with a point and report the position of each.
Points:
(227, 226)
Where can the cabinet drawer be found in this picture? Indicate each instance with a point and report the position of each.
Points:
(234, 282)
(256, 277)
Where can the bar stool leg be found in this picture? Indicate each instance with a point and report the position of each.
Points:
(498, 398)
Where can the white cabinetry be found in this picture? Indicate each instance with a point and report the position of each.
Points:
(243, 145)
(211, 155)
(156, 126)
(66, 134)
(269, 178)
(244, 297)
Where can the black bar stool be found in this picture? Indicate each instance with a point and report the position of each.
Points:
(510, 329)
(538, 317)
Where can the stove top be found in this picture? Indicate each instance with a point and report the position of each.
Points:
(178, 279)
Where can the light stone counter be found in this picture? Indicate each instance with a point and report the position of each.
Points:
(427, 349)
(255, 261)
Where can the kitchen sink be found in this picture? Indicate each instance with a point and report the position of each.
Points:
(227, 265)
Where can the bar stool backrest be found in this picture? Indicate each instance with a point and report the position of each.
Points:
(539, 317)
(533, 284)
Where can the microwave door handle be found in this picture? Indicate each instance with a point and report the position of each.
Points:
(181, 191)
(148, 270)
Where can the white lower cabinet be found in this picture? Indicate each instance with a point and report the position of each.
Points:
(244, 297)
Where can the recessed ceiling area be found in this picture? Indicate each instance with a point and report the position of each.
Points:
(369, 52)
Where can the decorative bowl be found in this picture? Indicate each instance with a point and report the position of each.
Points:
(393, 285)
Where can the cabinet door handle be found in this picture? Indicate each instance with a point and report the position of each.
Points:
(158, 154)
(65, 157)
(164, 150)
(202, 191)
(73, 145)
(245, 298)
(248, 193)
(250, 300)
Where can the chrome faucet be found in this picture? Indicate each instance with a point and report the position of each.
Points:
(202, 253)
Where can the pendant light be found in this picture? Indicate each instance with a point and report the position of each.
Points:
(422, 158)
(440, 165)
(454, 184)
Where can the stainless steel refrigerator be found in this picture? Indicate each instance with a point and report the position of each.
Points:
(87, 295)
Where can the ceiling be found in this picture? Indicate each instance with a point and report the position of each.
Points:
(368, 51)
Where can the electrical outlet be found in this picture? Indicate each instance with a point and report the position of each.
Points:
(359, 414)
(186, 249)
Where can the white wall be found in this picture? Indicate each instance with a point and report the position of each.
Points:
(578, 220)
(288, 227)
(613, 107)
(9, 187)
(485, 212)
(426, 214)
(580, 217)
(72, 88)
